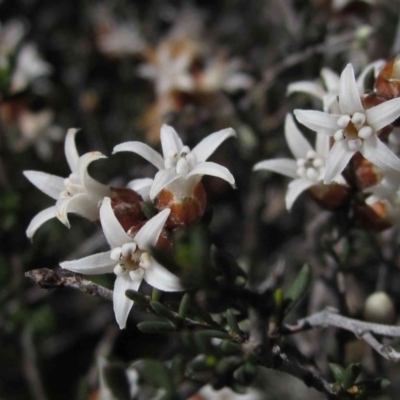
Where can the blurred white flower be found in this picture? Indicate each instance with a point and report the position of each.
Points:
(328, 91)
(307, 169)
(181, 169)
(208, 393)
(29, 66)
(354, 129)
(129, 258)
(11, 34)
(79, 193)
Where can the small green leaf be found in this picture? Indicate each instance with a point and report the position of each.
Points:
(184, 306)
(337, 372)
(232, 322)
(297, 290)
(137, 297)
(163, 311)
(229, 348)
(211, 333)
(156, 373)
(155, 327)
(350, 374)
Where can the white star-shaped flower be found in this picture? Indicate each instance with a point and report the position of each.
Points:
(181, 169)
(307, 169)
(355, 129)
(129, 258)
(329, 90)
(79, 193)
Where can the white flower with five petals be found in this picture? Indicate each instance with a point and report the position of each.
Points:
(181, 169)
(129, 258)
(79, 193)
(309, 167)
(355, 129)
(329, 90)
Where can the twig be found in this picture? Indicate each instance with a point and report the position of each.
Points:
(49, 279)
(362, 330)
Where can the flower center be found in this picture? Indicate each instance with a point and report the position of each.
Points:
(129, 257)
(310, 167)
(182, 162)
(353, 129)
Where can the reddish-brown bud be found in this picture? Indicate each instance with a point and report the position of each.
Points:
(184, 211)
(387, 84)
(330, 196)
(126, 204)
(372, 217)
(366, 173)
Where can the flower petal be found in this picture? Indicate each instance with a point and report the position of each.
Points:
(297, 143)
(379, 154)
(349, 98)
(112, 229)
(123, 305)
(295, 189)
(338, 158)
(49, 184)
(311, 88)
(95, 264)
(283, 166)
(383, 114)
(375, 66)
(331, 80)
(212, 169)
(171, 143)
(161, 180)
(71, 153)
(210, 143)
(143, 150)
(318, 121)
(92, 186)
(160, 278)
(80, 204)
(141, 186)
(148, 234)
(39, 219)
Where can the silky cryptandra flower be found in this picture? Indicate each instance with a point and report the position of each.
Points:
(79, 193)
(308, 168)
(129, 258)
(181, 169)
(329, 90)
(355, 129)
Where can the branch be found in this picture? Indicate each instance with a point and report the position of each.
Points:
(49, 279)
(362, 330)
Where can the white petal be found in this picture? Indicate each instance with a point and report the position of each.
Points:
(295, 189)
(160, 278)
(349, 98)
(50, 184)
(210, 143)
(112, 229)
(331, 80)
(141, 186)
(379, 154)
(148, 234)
(282, 166)
(161, 180)
(143, 150)
(70, 150)
(375, 66)
(171, 143)
(311, 88)
(318, 120)
(338, 158)
(91, 186)
(297, 143)
(383, 114)
(39, 219)
(322, 144)
(123, 305)
(212, 169)
(80, 204)
(330, 103)
(95, 264)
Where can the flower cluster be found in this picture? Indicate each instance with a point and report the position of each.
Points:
(176, 191)
(353, 136)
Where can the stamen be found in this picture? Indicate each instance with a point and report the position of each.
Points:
(354, 144)
(358, 118)
(128, 249)
(116, 254)
(311, 154)
(119, 270)
(182, 167)
(185, 150)
(301, 162)
(343, 121)
(318, 163)
(301, 172)
(312, 174)
(365, 132)
(339, 135)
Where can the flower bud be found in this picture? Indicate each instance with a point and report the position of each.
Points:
(184, 211)
(379, 308)
(372, 217)
(387, 84)
(330, 196)
(365, 172)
